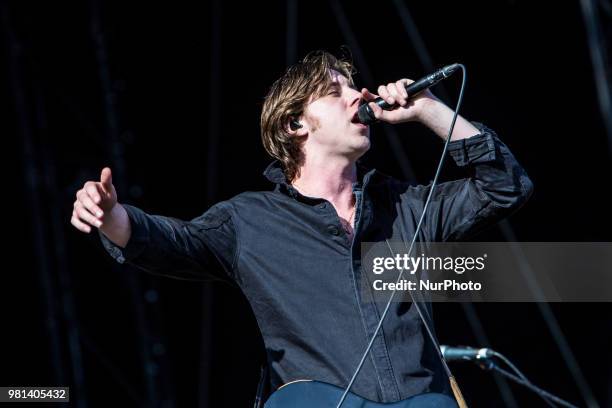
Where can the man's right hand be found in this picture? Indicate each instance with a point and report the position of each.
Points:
(96, 206)
(95, 203)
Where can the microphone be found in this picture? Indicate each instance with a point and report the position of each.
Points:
(366, 114)
(465, 353)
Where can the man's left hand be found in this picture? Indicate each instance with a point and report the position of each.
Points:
(395, 93)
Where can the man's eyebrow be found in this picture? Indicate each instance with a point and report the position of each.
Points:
(332, 86)
(337, 85)
(349, 84)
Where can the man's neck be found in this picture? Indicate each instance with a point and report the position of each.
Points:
(329, 179)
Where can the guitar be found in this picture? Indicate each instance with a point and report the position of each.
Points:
(315, 394)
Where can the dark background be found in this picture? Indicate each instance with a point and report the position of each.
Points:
(169, 95)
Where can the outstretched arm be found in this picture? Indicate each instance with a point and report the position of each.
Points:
(202, 247)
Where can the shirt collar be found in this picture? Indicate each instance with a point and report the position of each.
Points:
(275, 174)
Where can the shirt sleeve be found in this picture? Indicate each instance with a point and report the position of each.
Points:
(203, 248)
(497, 186)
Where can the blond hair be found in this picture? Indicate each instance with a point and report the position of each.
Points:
(287, 98)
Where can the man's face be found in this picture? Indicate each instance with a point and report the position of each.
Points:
(331, 124)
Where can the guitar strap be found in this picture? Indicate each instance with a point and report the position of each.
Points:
(263, 380)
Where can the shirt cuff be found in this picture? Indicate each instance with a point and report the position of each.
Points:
(139, 237)
(479, 148)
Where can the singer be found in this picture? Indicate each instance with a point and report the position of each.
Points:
(294, 251)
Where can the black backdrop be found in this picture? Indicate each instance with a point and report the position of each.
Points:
(130, 85)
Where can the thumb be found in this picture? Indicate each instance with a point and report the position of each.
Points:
(379, 113)
(106, 178)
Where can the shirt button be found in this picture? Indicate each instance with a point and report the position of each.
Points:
(333, 230)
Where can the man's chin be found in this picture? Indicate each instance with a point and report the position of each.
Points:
(366, 136)
(361, 149)
(362, 130)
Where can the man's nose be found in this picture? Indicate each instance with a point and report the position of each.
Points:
(355, 97)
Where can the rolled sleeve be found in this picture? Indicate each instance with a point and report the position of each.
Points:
(473, 150)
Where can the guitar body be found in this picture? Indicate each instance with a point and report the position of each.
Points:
(315, 394)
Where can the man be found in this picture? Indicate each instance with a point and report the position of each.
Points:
(294, 251)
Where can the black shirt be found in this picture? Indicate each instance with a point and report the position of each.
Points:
(293, 261)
